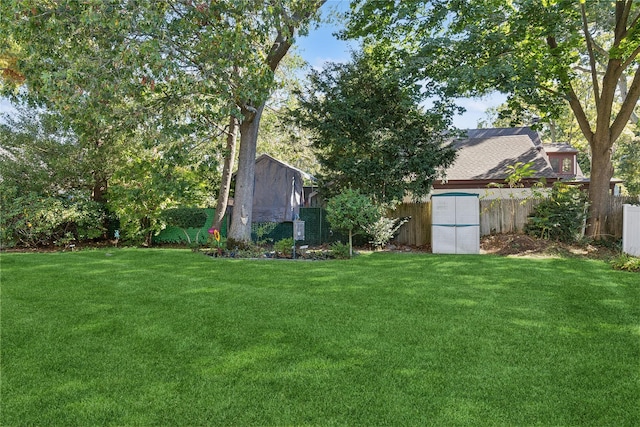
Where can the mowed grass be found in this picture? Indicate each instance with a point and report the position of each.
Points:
(168, 337)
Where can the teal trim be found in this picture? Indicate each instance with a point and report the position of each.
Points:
(456, 225)
(455, 195)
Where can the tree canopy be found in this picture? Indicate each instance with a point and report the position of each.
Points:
(370, 132)
(532, 50)
(112, 69)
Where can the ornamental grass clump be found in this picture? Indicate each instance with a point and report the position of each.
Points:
(284, 247)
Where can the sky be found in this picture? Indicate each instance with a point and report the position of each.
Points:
(5, 106)
(321, 46)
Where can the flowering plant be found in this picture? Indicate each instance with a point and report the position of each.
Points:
(216, 236)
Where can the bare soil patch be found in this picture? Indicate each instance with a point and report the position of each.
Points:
(525, 245)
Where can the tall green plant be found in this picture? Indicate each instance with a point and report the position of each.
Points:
(371, 132)
(158, 173)
(351, 211)
(560, 217)
(31, 219)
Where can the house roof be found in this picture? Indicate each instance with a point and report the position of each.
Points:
(483, 157)
(559, 148)
(486, 154)
(491, 132)
(268, 158)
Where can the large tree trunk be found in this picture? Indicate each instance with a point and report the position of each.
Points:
(608, 125)
(243, 199)
(225, 184)
(99, 190)
(245, 177)
(600, 181)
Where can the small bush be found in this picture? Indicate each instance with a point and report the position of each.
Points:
(238, 245)
(340, 250)
(626, 262)
(250, 251)
(185, 217)
(383, 230)
(284, 246)
(262, 231)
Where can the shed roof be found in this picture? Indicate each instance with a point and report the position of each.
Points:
(266, 157)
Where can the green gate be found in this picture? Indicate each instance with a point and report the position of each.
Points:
(316, 229)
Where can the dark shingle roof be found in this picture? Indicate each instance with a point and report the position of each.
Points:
(488, 152)
(559, 148)
(487, 133)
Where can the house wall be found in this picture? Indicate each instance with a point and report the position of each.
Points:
(278, 192)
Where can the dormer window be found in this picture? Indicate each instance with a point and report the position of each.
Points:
(562, 159)
(562, 164)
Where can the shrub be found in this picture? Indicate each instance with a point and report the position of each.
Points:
(186, 218)
(284, 246)
(33, 219)
(383, 230)
(262, 231)
(560, 217)
(626, 262)
(238, 245)
(351, 211)
(340, 250)
(249, 251)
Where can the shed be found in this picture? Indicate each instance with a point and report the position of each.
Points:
(279, 190)
(455, 223)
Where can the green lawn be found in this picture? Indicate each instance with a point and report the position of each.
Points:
(172, 338)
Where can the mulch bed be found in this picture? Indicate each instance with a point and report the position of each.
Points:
(513, 244)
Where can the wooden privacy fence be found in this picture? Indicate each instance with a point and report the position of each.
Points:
(505, 215)
(496, 216)
(417, 230)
